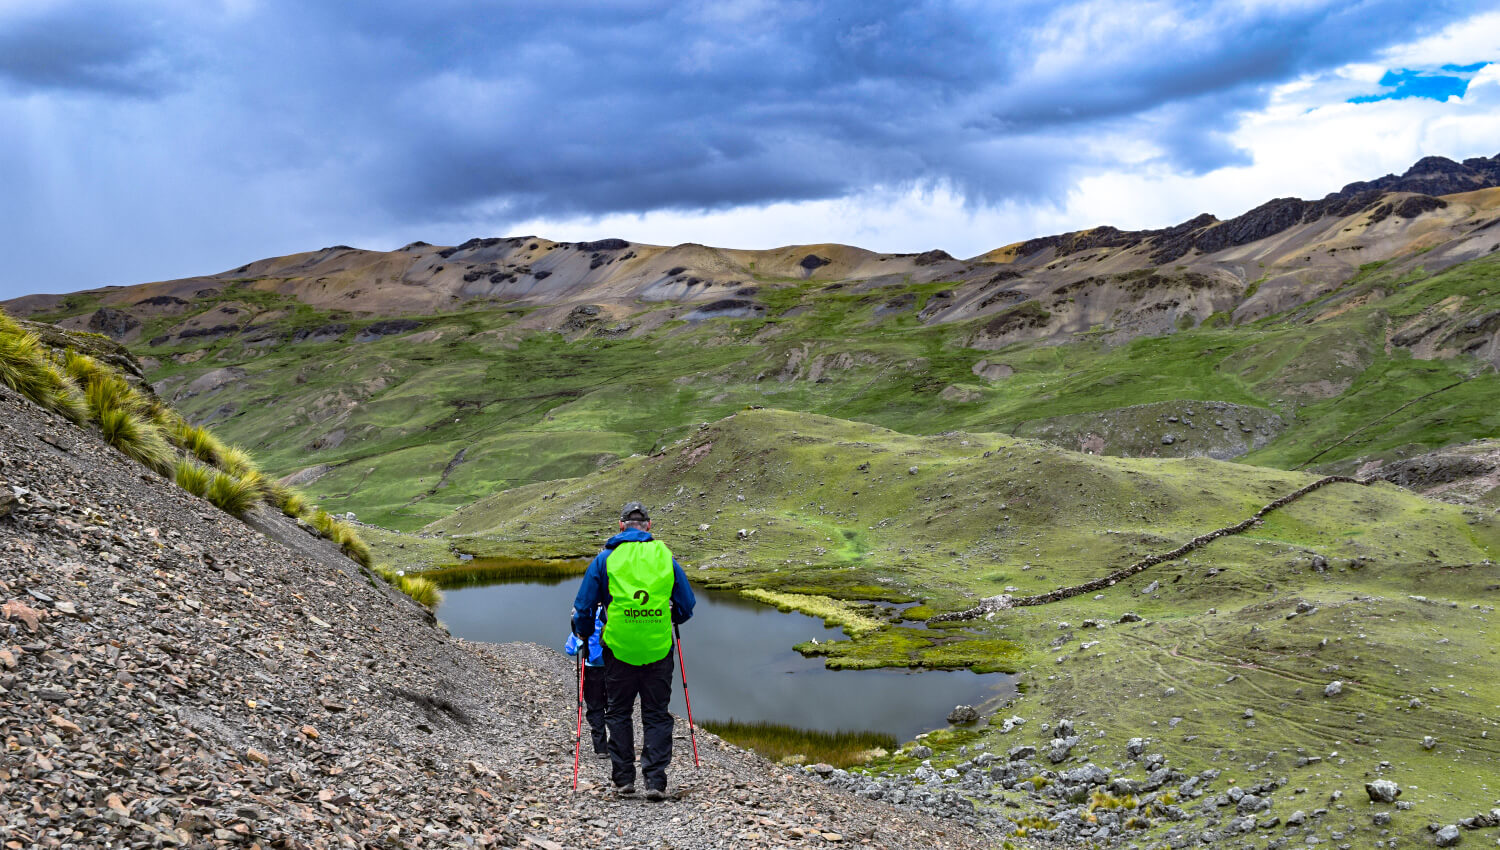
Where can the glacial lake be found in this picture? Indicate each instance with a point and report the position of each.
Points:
(740, 662)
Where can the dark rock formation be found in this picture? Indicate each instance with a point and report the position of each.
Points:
(480, 243)
(726, 308)
(1436, 175)
(1434, 469)
(900, 303)
(604, 245)
(813, 261)
(932, 258)
(580, 318)
(113, 323)
(161, 301)
(323, 333)
(1408, 207)
(1433, 175)
(386, 328)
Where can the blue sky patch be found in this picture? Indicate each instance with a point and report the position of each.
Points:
(1405, 83)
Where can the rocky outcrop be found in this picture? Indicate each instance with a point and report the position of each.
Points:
(1462, 474)
(726, 308)
(389, 327)
(603, 245)
(1436, 175)
(1430, 176)
(932, 258)
(113, 323)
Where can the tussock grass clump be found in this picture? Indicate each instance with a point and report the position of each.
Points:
(288, 500)
(235, 461)
(136, 437)
(356, 548)
(123, 416)
(342, 534)
(324, 522)
(834, 612)
(111, 393)
(232, 495)
(1102, 799)
(27, 370)
(1027, 824)
(294, 505)
(85, 369)
(193, 477)
(196, 441)
(422, 590)
(791, 745)
(253, 478)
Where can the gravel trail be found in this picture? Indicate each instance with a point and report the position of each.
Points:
(171, 676)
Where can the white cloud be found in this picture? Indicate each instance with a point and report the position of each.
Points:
(1462, 43)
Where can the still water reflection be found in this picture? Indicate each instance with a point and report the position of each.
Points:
(740, 662)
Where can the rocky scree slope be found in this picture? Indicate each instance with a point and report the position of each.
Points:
(171, 677)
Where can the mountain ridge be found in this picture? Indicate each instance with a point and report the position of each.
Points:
(532, 271)
(322, 363)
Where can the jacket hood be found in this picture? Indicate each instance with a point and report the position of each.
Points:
(629, 535)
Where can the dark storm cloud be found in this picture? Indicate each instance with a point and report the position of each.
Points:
(552, 109)
(269, 121)
(88, 46)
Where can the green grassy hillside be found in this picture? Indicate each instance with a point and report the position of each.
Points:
(416, 423)
(934, 431)
(1222, 671)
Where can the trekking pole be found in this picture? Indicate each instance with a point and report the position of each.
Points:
(677, 631)
(578, 746)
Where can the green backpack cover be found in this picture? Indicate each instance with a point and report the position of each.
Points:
(638, 629)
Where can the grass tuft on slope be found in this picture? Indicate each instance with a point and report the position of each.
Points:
(25, 368)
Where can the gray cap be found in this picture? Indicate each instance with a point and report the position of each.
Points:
(634, 512)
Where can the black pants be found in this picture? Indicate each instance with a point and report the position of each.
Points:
(653, 684)
(595, 702)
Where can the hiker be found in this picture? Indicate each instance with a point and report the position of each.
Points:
(593, 684)
(643, 592)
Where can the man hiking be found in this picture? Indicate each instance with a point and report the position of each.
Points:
(643, 592)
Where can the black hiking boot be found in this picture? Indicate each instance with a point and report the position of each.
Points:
(656, 795)
(626, 790)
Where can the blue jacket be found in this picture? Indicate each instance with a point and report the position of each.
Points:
(595, 657)
(594, 592)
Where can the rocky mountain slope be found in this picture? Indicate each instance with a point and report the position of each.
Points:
(174, 677)
(406, 425)
(1358, 328)
(1296, 250)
